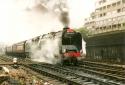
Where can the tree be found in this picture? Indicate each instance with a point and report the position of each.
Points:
(85, 32)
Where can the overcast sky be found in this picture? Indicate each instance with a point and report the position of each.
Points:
(17, 24)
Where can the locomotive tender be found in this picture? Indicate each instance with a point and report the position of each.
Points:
(69, 44)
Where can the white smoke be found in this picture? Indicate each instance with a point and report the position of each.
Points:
(48, 51)
(25, 19)
(84, 47)
(2, 48)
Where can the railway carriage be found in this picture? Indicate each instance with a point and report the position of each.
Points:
(19, 49)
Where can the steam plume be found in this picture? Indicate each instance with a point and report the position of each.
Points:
(64, 14)
(58, 7)
(48, 51)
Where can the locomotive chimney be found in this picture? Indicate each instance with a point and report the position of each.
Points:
(66, 27)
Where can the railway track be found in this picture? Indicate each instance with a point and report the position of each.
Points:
(105, 65)
(68, 75)
(108, 72)
(45, 80)
(113, 70)
(87, 73)
(104, 76)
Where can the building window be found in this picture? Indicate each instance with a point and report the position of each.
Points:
(123, 9)
(104, 14)
(118, 3)
(123, 1)
(100, 15)
(118, 10)
(104, 7)
(100, 28)
(97, 28)
(114, 26)
(114, 4)
(123, 24)
(103, 1)
(110, 26)
(97, 10)
(100, 2)
(119, 25)
(108, 6)
(101, 9)
(104, 27)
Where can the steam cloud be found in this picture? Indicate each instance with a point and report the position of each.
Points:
(58, 7)
(84, 48)
(47, 51)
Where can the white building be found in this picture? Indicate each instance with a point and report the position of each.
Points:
(109, 15)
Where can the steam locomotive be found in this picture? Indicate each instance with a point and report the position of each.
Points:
(68, 42)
